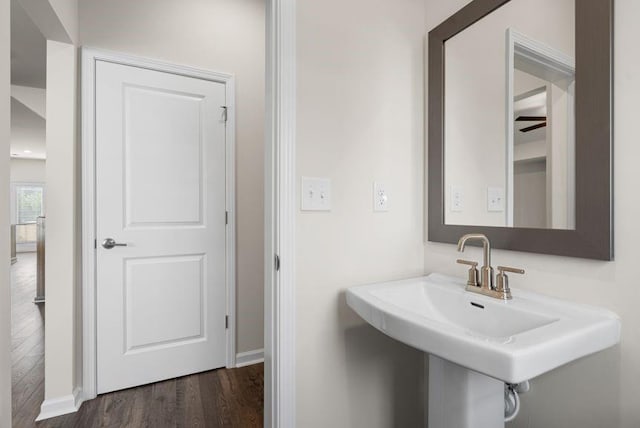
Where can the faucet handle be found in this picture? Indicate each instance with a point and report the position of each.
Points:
(472, 280)
(502, 285)
(503, 269)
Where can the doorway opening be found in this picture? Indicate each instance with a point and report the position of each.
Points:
(169, 246)
(278, 344)
(27, 213)
(159, 286)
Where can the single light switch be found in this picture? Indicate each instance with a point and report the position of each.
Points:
(316, 194)
(495, 199)
(457, 198)
(380, 197)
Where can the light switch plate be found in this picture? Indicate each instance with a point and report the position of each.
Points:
(380, 197)
(495, 199)
(316, 194)
(457, 198)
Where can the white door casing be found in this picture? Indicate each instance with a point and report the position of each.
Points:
(280, 214)
(163, 184)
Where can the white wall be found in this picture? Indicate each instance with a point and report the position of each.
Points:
(27, 170)
(5, 287)
(359, 119)
(57, 20)
(475, 111)
(34, 98)
(61, 201)
(601, 390)
(530, 194)
(558, 153)
(67, 12)
(220, 35)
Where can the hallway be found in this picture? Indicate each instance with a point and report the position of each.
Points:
(27, 342)
(219, 398)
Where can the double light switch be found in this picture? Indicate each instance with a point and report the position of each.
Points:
(316, 194)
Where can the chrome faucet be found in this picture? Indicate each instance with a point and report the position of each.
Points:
(486, 271)
(483, 283)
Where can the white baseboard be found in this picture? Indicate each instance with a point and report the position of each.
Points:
(60, 406)
(248, 358)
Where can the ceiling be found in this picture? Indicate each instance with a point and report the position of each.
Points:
(28, 50)
(28, 68)
(27, 132)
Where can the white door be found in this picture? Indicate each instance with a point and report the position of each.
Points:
(160, 189)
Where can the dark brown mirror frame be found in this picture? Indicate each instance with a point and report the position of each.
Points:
(593, 236)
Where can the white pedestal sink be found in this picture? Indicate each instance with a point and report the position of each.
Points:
(478, 343)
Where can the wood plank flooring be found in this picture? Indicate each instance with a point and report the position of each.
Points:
(27, 343)
(219, 398)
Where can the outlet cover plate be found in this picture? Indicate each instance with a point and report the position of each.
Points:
(380, 197)
(495, 199)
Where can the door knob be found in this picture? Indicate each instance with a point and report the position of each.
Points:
(109, 243)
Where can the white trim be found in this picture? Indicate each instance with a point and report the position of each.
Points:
(89, 58)
(249, 358)
(280, 212)
(538, 52)
(230, 160)
(60, 406)
(509, 179)
(562, 66)
(571, 157)
(88, 226)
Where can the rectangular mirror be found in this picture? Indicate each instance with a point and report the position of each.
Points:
(520, 126)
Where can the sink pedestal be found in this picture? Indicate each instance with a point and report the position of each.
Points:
(462, 398)
(520, 339)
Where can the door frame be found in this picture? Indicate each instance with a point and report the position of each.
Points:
(280, 216)
(89, 239)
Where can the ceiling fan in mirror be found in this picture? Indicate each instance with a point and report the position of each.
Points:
(542, 119)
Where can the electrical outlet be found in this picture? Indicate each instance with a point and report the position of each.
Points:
(495, 199)
(457, 198)
(380, 197)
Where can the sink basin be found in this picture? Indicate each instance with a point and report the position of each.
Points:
(511, 341)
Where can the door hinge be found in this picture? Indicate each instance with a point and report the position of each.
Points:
(277, 263)
(226, 217)
(95, 243)
(224, 113)
(226, 321)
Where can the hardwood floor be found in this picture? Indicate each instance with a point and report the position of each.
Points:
(219, 398)
(27, 343)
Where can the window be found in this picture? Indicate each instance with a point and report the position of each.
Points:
(29, 203)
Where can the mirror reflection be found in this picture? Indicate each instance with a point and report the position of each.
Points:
(510, 120)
